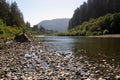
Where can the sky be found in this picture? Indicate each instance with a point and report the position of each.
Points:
(35, 11)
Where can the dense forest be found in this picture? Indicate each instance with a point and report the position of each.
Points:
(11, 14)
(93, 9)
(11, 20)
(108, 24)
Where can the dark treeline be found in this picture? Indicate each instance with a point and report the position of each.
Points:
(41, 30)
(11, 14)
(93, 9)
(12, 21)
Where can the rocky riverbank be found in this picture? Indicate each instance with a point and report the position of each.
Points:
(34, 61)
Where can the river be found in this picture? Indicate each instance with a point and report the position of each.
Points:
(94, 48)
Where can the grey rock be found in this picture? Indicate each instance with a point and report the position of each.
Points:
(21, 38)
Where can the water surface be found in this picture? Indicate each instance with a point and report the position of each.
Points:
(92, 47)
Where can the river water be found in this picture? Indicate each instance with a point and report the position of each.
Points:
(94, 48)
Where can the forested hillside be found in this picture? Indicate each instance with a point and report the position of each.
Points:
(58, 24)
(93, 9)
(11, 19)
(11, 14)
(108, 24)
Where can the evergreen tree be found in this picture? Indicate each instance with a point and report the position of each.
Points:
(11, 14)
(28, 24)
(16, 17)
(93, 9)
(4, 10)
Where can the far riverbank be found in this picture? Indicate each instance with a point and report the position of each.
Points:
(107, 36)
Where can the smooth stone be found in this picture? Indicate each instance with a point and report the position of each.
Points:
(117, 77)
(78, 73)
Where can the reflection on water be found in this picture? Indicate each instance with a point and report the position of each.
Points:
(93, 47)
(60, 44)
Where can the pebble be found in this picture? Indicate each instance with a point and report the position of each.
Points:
(117, 77)
(33, 61)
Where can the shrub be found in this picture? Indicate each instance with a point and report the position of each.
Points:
(105, 31)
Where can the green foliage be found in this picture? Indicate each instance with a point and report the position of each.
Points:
(11, 20)
(105, 31)
(108, 24)
(42, 31)
(8, 31)
(11, 14)
(93, 9)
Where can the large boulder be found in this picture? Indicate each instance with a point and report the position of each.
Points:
(21, 38)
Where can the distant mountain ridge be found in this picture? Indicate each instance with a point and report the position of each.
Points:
(60, 25)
